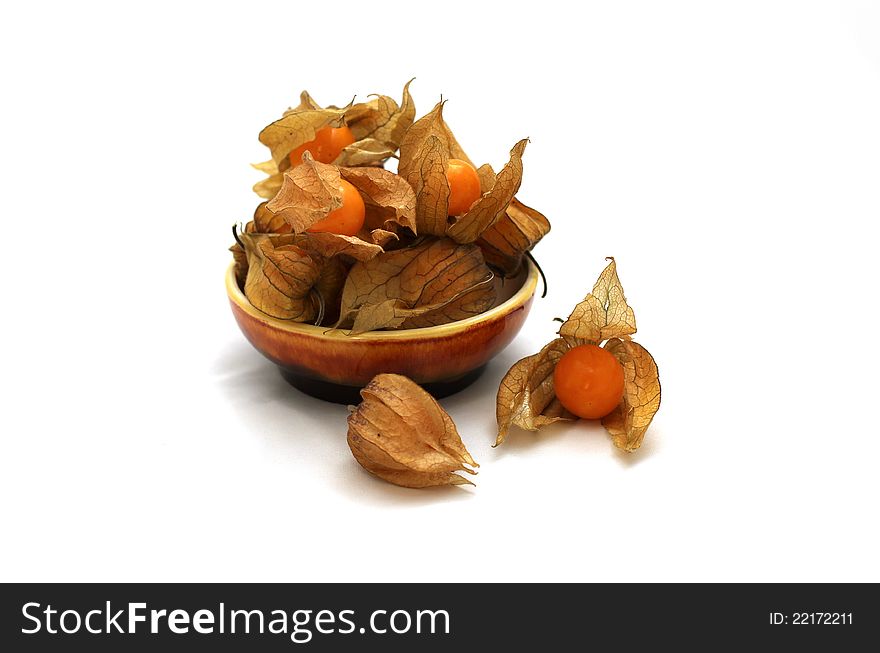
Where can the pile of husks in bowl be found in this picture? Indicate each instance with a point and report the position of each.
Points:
(343, 242)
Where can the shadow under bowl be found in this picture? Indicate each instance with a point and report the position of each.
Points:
(334, 366)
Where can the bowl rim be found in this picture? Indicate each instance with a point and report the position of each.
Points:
(519, 298)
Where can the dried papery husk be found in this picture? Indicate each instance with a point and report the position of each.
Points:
(603, 314)
(493, 203)
(516, 232)
(435, 282)
(280, 277)
(312, 190)
(424, 156)
(629, 422)
(400, 434)
(378, 126)
(389, 201)
(527, 399)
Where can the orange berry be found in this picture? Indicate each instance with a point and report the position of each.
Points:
(326, 146)
(588, 381)
(464, 186)
(348, 219)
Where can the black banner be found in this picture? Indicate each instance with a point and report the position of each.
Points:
(431, 617)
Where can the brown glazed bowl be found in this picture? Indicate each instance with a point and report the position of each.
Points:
(331, 365)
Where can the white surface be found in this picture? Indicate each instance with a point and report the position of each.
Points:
(726, 155)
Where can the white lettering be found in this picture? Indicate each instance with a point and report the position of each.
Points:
(344, 619)
(155, 615)
(112, 622)
(49, 612)
(373, 622)
(178, 621)
(433, 614)
(298, 630)
(325, 617)
(203, 622)
(24, 612)
(78, 620)
(89, 622)
(247, 619)
(280, 620)
(395, 614)
(134, 617)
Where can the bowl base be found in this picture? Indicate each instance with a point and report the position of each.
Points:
(350, 394)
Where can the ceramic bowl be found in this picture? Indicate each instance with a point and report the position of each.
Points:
(331, 365)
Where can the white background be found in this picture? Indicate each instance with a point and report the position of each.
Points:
(728, 154)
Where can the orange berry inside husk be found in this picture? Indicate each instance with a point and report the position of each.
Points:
(326, 146)
(348, 219)
(588, 381)
(464, 186)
